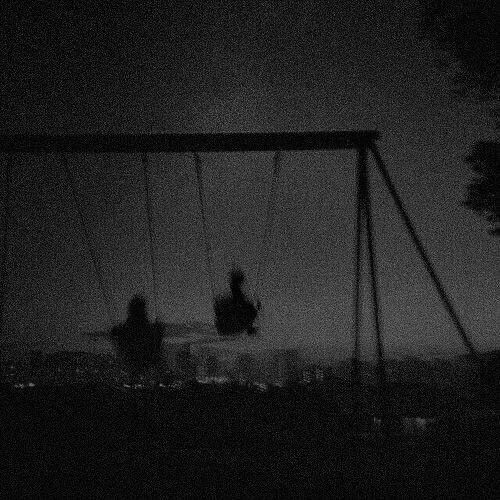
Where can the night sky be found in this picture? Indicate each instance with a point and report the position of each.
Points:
(246, 66)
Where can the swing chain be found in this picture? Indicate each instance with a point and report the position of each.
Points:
(271, 207)
(270, 211)
(208, 247)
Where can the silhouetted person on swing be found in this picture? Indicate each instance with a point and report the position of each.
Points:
(235, 313)
(137, 340)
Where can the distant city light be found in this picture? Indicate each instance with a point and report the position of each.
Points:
(262, 387)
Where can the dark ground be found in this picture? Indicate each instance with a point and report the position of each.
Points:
(83, 442)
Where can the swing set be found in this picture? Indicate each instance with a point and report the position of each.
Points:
(364, 142)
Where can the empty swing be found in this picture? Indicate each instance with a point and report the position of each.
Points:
(234, 312)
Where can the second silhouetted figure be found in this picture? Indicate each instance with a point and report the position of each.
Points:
(234, 313)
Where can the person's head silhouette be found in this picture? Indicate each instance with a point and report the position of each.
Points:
(236, 279)
(137, 311)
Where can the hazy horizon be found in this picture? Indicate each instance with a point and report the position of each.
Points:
(308, 350)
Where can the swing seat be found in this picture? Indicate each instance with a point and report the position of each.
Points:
(233, 316)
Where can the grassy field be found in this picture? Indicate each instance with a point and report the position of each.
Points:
(83, 442)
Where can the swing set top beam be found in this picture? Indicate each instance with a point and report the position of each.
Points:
(185, 143)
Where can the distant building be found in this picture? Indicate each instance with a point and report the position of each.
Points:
(312, 373)
(416, 425)
(247, 359)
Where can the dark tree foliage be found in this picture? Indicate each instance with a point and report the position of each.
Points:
(234, 313)
(138, 342)
(483, 193)
(467, 30)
